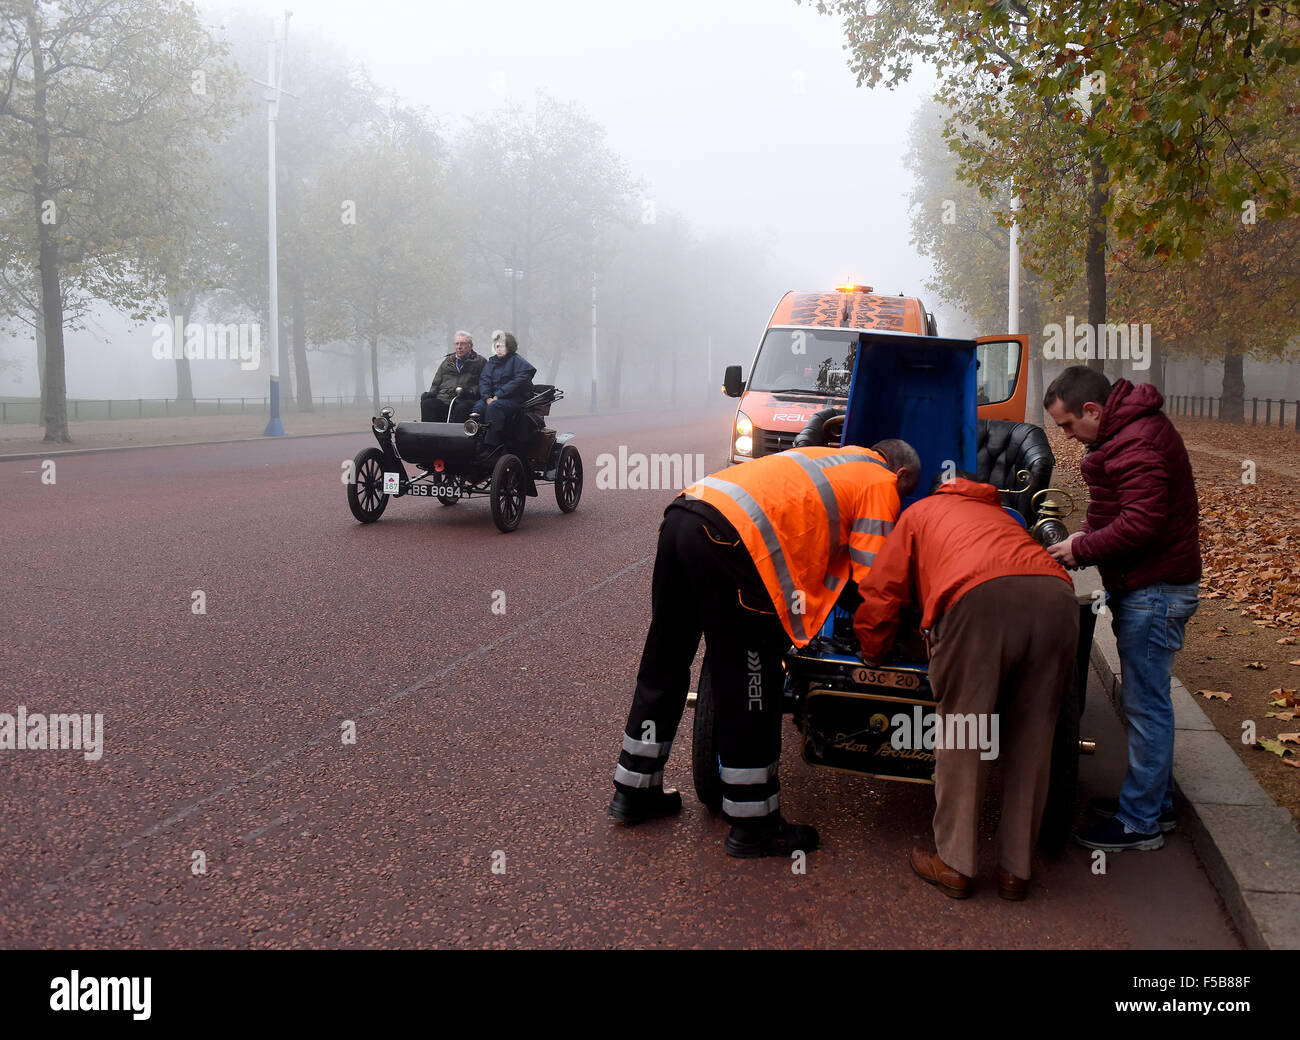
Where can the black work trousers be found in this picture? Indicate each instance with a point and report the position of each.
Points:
(705, 583)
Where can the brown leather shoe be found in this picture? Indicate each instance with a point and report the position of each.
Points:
(1010, 886)
(929, 867)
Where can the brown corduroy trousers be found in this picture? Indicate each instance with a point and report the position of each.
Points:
(1006, 648)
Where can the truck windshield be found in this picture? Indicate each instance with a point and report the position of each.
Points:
(812, 361)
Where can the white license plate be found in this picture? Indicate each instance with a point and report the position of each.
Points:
(450, 491)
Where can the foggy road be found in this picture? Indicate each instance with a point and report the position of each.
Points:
(470, 811)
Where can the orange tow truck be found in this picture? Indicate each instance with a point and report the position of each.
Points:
(805, 359)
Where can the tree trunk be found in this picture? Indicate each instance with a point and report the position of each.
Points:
(179, 307)
(1095, 257)
(1156, 373)
(614, 392)
(374, 370)
(286, 373)
(54, 411)
(359, 374)
(40, 344)
(1234, 385)
(300, 369)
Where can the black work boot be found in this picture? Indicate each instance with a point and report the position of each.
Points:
(636, 806)
(770, 838)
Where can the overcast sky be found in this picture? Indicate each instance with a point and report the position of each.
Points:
(737, 113)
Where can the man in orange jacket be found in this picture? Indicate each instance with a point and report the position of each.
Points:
(1003, 624)
(754, 558)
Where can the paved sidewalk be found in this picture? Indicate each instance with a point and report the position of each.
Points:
(23, 440)
(1247, 843)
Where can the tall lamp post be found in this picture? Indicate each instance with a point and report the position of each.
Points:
(515, 272)
(275, 50)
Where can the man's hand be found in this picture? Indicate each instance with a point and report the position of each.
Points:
(490, 400)
(1063, 552)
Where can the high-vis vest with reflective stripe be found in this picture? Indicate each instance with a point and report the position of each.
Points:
(811, 518)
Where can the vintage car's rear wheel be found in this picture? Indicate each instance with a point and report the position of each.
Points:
(366, 496)
(704, 743)
(1058, 813)
(568, 479)
(508, 493)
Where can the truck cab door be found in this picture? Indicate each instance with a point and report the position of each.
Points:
(1002, 377)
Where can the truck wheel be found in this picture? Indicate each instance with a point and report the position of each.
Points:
(366, 496)
(1058, 813)
(704, 744)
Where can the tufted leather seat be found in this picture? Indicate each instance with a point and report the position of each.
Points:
(1003, 449)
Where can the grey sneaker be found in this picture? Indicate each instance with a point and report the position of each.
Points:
(1106, 808)
(1112, 836)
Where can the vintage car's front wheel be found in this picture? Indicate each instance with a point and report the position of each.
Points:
(508, 493)
(366, 496)
(704, 743)
(568, 479)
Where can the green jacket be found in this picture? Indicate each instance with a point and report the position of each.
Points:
(446, 379)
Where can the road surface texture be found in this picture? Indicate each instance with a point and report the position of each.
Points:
(228, 810)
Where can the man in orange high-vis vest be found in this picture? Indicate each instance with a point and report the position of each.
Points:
(753, 558)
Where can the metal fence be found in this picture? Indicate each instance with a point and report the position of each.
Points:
(80, 409)
(1258, 412)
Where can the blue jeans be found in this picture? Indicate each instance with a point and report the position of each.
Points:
(1149, 623)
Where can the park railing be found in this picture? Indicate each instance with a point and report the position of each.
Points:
(28, 410)
(1258, 412)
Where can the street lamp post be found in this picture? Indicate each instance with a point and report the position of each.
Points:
(274, 88)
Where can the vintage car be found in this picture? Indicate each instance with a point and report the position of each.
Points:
(453, 464)
(925, 390)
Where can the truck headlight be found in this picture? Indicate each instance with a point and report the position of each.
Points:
(744, 438)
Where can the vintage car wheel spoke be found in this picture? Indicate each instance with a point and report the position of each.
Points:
(366, 496)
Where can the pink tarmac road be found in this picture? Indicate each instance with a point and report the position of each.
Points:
(483, 740)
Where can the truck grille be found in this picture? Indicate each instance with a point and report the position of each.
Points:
(769, 442)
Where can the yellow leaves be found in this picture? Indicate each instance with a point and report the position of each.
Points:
(1215, 695)
(1258, 666)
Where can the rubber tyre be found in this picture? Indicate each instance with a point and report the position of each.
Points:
(366, 496)
(1062, 792)
(568, 479)
(508, 493)
(704, 743)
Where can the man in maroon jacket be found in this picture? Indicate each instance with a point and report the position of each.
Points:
(1142, 532)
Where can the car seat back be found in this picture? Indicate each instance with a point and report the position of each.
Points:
(1003, 450)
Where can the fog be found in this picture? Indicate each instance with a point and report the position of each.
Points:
(738, 115)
